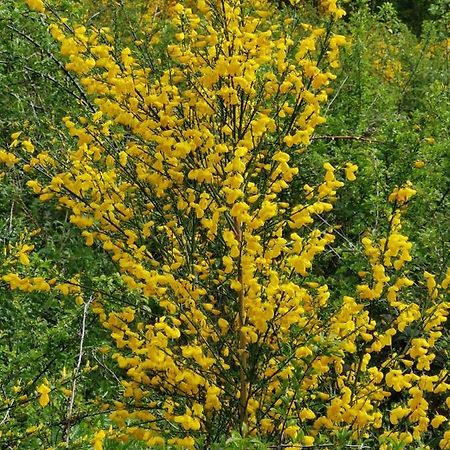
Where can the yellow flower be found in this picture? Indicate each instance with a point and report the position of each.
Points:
(43, 390)
(402, 194)
(98, 439)
(8, 159)
(28, 146)
(36, 5)
(397, 414)
(350, 170)
(15, 135)
(306, 414)
(438, 421)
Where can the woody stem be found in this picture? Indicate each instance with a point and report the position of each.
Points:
(242, 351)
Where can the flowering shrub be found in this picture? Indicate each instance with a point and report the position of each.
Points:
(182, 171)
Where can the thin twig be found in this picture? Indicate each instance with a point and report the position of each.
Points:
(441, 201)
(56, 61)
(104, 366)
(348, 138)
(11, 212)
(5, 418)
(336, 95)
(312, 446)
(350, 243)
(77, 369)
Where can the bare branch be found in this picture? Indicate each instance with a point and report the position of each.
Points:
(77, 370)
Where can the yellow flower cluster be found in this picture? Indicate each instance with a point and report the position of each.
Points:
(183, 175)
(26, 284)
(387, 62)
(7, 158)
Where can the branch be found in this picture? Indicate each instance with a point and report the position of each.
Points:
(242, 351)
(313, 446)
(11, 215)
(57, 61)
(77, 370)
(335, 95)
(348, 138)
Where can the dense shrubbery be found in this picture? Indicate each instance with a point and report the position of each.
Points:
(214, 264)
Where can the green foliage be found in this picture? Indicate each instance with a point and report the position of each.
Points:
(237, 442)
(389, 114)
(39, 333)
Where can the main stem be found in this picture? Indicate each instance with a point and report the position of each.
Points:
(242, 351)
